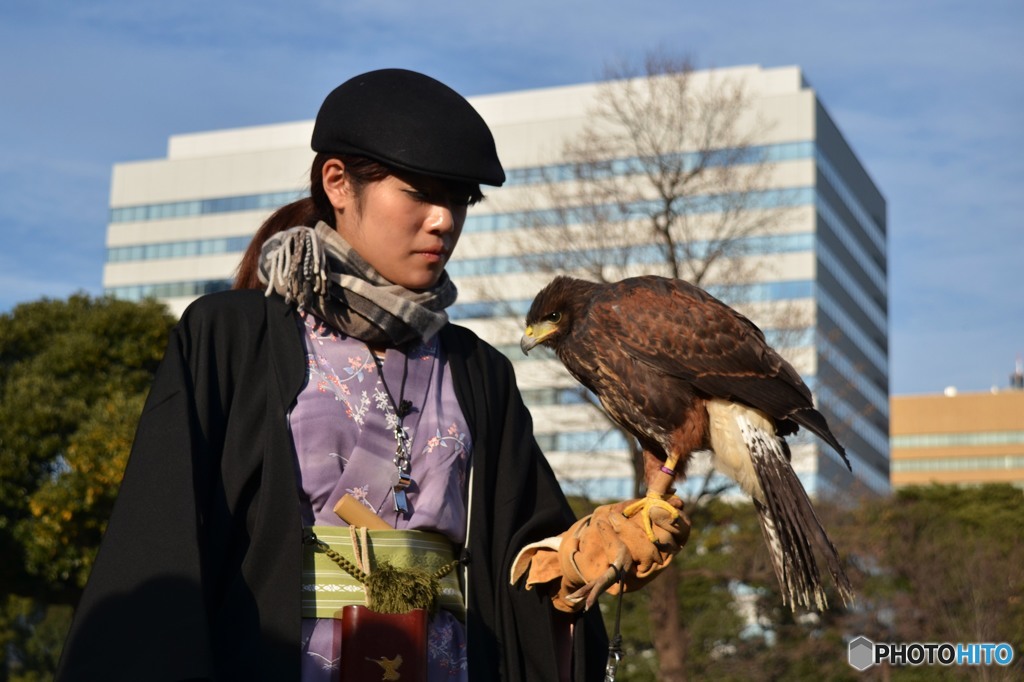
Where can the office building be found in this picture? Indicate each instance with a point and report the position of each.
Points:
(959, 438)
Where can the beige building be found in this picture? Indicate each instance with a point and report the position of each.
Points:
(958, 438)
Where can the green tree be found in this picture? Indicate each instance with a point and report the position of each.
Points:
(931, 564)
(31, 637)
(73, 378)
(942, 564)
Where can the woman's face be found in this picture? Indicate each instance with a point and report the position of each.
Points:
(405, 226)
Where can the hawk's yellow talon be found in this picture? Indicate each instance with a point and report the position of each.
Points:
(645, 505)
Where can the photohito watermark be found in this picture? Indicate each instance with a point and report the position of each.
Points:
(864, 653)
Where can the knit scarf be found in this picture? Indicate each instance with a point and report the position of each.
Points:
(319, 271)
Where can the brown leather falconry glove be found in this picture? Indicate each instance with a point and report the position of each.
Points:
(587, 558)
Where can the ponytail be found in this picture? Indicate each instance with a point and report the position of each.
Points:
(301, 212)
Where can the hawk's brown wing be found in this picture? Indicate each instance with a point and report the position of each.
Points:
(682, 331)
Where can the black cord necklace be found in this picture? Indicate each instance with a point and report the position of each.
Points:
(403, 451)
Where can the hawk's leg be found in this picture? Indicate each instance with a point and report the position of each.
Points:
(659, 489)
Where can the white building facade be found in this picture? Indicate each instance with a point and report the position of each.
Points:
(178, 226)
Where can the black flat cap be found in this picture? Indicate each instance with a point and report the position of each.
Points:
(408, 121)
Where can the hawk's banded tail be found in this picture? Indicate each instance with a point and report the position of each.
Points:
(748, 451)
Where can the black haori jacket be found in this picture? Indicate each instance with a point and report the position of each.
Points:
(199, 571)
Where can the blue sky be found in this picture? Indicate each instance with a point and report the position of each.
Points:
(930, 94)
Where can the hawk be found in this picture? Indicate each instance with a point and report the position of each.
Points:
(681, 371)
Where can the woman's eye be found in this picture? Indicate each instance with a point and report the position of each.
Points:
(460, 200)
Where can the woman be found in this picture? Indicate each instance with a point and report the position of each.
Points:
(278, 398)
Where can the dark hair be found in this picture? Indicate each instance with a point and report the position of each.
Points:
(307, 211)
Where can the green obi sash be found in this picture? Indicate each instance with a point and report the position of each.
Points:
(326, 587)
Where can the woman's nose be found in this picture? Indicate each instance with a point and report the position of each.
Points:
(441, 218)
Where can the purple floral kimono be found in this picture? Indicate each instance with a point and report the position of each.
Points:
(343, 428)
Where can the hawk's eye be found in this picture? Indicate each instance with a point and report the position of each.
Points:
(554, 318)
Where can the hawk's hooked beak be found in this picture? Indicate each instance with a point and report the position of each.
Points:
(535, 334)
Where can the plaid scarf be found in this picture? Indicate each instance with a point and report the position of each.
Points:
(316, 269)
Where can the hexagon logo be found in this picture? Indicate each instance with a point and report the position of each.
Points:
(862, 653)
